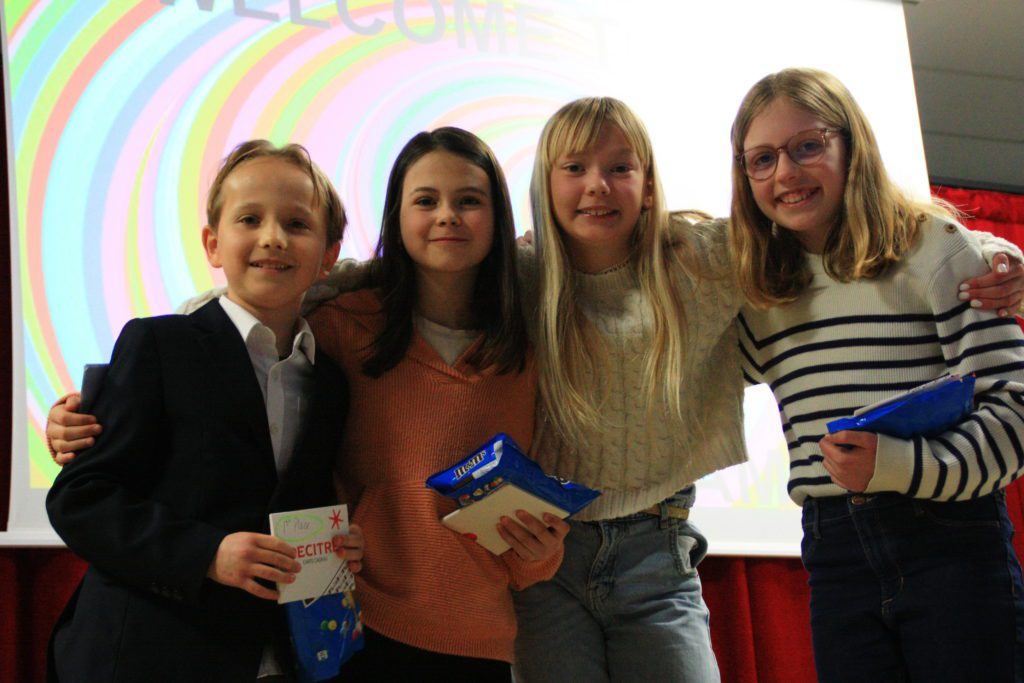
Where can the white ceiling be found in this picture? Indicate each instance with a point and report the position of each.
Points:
(968, 60)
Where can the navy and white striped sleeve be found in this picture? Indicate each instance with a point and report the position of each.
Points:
(751, 373)
(984, 452)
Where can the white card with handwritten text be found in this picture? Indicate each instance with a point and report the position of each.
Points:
(311, 532)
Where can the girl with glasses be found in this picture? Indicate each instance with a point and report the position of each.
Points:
(907, 540)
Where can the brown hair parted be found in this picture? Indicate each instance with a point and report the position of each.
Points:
(326, 196)
(496, 300)
(877, 222)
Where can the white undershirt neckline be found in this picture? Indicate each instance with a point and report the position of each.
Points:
(449, 343)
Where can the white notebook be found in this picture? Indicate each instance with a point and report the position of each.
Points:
(311, 532)
(479, 520)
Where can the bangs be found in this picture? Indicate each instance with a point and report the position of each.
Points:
(576, 127)
(575, 131)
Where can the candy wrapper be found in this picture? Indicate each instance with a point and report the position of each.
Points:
(496, 480)
(926, 410)
(325, 632)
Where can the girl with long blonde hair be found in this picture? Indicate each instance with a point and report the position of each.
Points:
(634, 321)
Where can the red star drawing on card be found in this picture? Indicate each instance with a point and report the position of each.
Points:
(336, 519)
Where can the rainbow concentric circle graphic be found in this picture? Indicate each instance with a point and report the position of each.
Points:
(121, 112)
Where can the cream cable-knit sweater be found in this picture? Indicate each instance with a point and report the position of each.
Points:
(639, 460)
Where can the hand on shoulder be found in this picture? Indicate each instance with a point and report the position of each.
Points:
(68, 431)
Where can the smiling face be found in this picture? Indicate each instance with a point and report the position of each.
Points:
(803, 199)
(271, 237)
(447, 215)
(597, 196)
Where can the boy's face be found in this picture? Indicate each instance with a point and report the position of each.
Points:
(271, 239)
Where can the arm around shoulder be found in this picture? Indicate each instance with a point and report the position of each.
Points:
(347, 275)
(991, 246)
(1001, 288)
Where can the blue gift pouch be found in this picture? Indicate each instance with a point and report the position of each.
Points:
(926, 410)
(325, 632)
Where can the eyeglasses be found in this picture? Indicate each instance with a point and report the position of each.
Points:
(804, 148)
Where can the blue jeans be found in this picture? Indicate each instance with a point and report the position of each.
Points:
(625, 605)
(913, 590)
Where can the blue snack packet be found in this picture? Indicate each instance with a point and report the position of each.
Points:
(325, 632)
(501, 462)
(927, 410)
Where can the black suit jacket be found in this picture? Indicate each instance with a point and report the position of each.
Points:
(185, 458)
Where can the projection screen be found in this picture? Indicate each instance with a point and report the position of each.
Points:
(118, 113)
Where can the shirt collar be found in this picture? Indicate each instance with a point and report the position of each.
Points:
(246, 322)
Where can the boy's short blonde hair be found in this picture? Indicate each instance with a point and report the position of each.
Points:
(323, 190)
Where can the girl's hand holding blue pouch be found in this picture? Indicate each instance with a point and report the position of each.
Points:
(926, 410)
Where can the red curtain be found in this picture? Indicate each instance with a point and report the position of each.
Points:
(759, 606)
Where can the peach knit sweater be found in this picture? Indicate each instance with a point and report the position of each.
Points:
(421, 583)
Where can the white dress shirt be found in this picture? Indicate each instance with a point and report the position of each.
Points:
(286, 384)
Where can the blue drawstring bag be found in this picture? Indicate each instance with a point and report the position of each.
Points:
(326, 632)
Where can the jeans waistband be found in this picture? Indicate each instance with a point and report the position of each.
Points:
(856, 500)
(676, 506)
(835, 507)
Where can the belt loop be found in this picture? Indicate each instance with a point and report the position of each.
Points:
(662, 514)
(812, 505)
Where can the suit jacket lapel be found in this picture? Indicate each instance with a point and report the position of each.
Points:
(309, 478)
(234, 373)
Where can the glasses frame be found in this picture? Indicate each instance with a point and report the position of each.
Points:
(825, 134)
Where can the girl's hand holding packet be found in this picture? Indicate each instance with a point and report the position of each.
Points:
(496, 480)
(926, 410)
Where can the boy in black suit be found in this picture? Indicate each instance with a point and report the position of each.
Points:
(212, 420)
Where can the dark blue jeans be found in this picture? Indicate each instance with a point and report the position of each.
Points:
(913, 590)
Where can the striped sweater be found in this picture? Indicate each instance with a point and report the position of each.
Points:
(841, 346)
